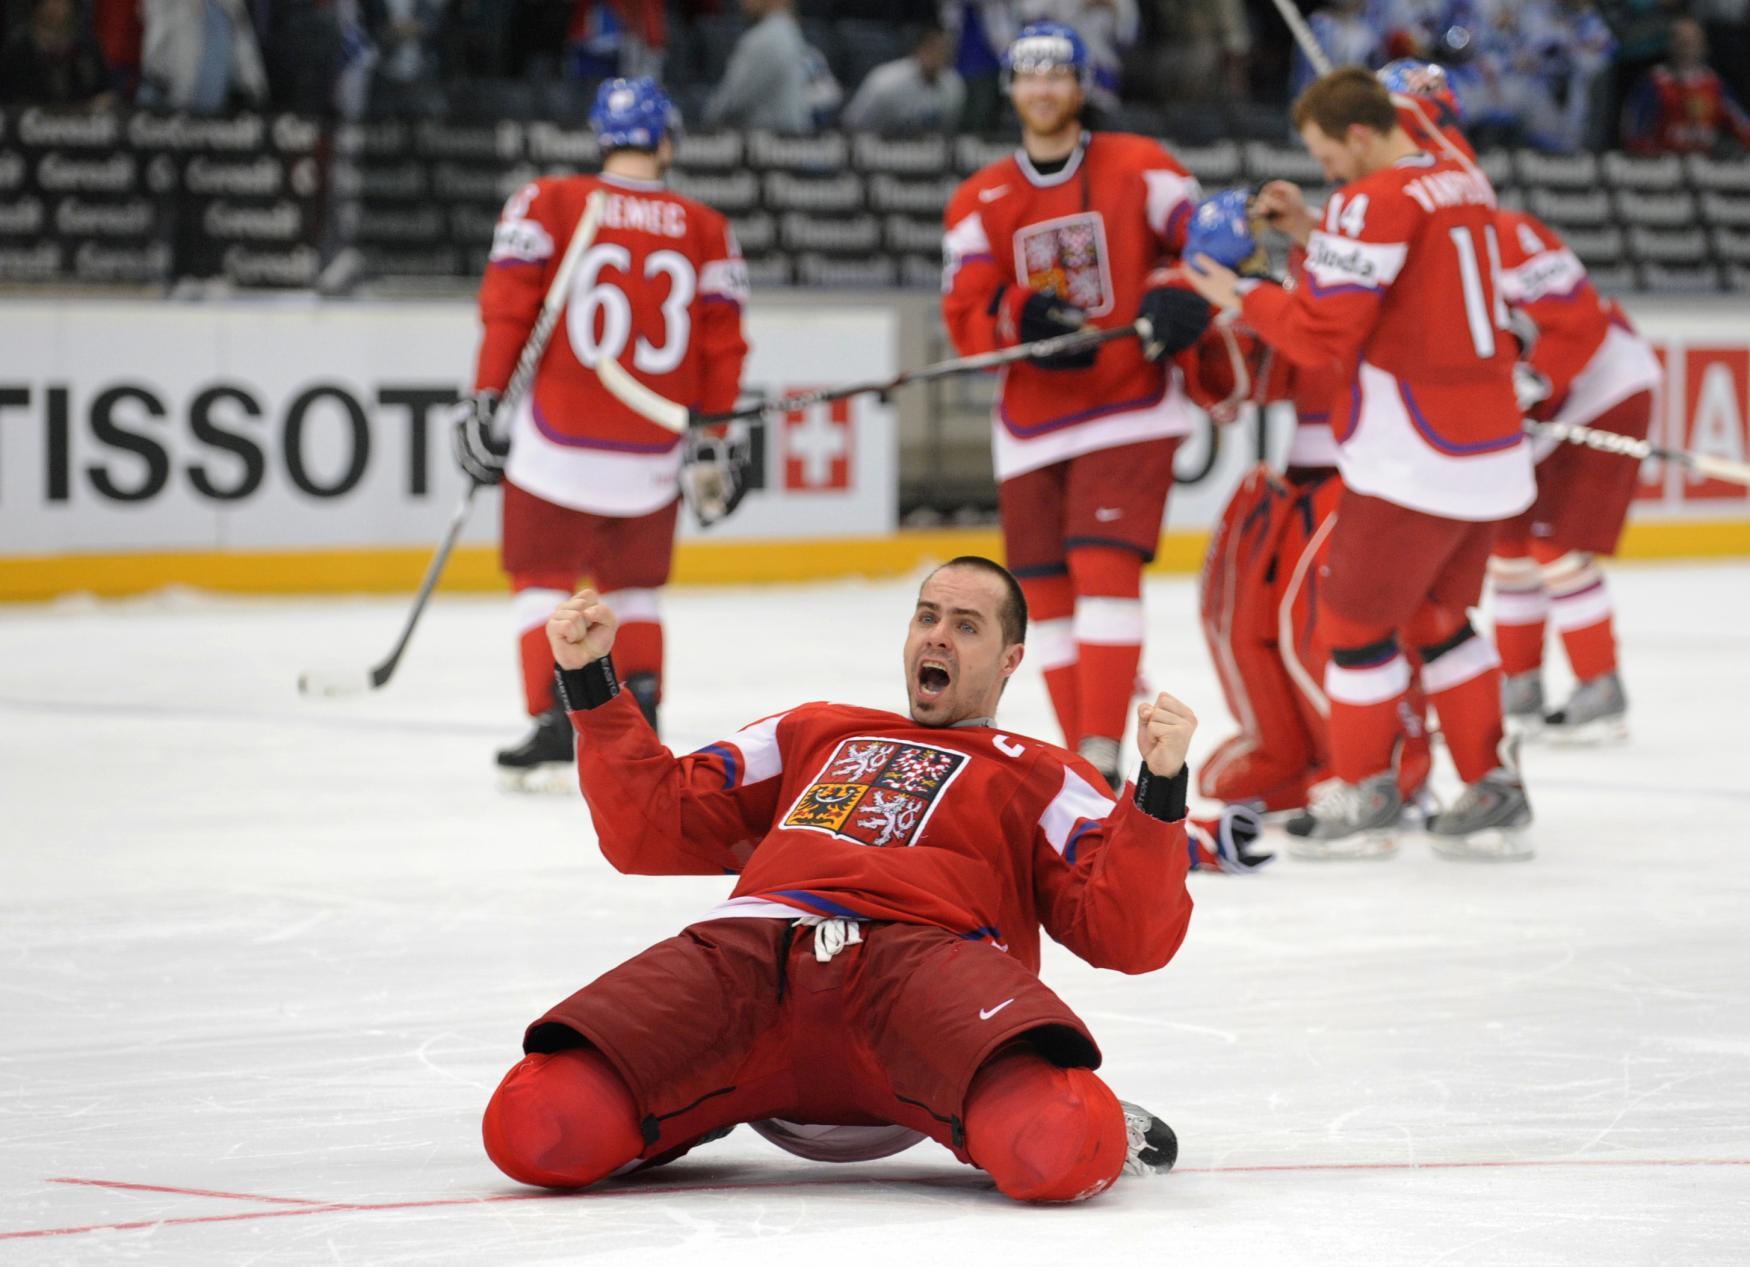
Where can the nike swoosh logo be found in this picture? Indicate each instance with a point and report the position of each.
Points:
(991, 195)
(985, 1016)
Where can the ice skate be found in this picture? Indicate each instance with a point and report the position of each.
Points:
(1349, 820)
(1596, 713)
(1489, 821)
(1522, 702)
(1150, 1147)
(1102, 754)
(542, 762)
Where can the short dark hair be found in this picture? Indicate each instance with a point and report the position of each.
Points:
(1343, 97)
(1013, 613)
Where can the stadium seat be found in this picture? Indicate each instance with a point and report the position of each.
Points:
(974, 152)
(865, 270)
(841, 193)
(1718, 175)
(1566, 208)
(1725, 209)
(756, 232)
(1668, 246)
(910, 156)
(800, 231)
(1663, 174)
(710, 151)
(1215, 166)
(901, 233)
(1559, 171)
(825, 154)
(1660, 278)
(920, 197)
(1268, 161)
(1655, 210)
(1596, 247)
(733, 194)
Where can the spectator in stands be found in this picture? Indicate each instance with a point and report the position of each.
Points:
(1348, 36)
(980, 30)
(1107, 27)
(1195, 50)
(1564, 47)
(1682, 106)
(912, 95)
(407, 73)
(766, 84)
(50, 61)
(200, 56)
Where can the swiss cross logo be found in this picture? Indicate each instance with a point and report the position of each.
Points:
(1068, 257)
(817, 448)
(876, 792)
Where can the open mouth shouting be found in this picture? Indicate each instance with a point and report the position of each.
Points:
(933, 679)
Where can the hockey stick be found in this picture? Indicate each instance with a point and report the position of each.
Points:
(357, 681)
(1303, 36)
(678, 418)
(1703, 464)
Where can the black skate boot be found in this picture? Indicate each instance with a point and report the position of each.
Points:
(1151, 1148)
(543, 761)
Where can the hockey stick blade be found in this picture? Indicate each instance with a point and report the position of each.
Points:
(668, 414)
(1720, 468)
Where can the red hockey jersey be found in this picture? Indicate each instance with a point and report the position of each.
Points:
(1091, 233)
(1402, 298)
(841, 811)
(660, 289)
(1585, 344)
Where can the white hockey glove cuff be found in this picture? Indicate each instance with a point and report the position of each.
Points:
(714, 473)
(480, 450)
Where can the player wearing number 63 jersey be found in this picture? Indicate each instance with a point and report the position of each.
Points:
(1402, 295)
(590, 488)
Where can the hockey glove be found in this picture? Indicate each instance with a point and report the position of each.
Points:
(480, 450)
(1224, 843)
(1531, 387)
(1176, 319)
(1045, 316)
(714, 472)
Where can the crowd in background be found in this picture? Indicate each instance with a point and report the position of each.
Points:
(1559, 75)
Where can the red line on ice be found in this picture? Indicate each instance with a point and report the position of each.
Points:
(654, 1189)
(190, 1192)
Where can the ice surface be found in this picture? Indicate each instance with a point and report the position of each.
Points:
(265, 957)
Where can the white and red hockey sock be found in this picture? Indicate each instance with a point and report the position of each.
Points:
(1580, 610)
(562, 1120)
(1044, 1133)
(1108, 632)
(536, 595)
(1462, 678)
(638, 643)
(1367, 686)
(1521, 608)
(1051, 644)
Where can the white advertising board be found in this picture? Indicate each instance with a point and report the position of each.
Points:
(129, 427)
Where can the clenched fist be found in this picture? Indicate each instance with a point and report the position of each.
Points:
(1163, 734)
(581, 630)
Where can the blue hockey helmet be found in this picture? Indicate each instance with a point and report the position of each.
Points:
(1426, 80)
(1044, 45)
(632, 114)
(1221, 228)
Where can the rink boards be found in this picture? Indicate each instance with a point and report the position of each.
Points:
(299, 446)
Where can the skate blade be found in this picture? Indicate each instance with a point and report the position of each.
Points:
(1527, 726)
(552, 778)
(1493, 844)
(1597, 733)
(1362, 845)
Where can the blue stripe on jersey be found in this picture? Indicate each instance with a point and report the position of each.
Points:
(1069, 847)
(819, 903)
(731, 767)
